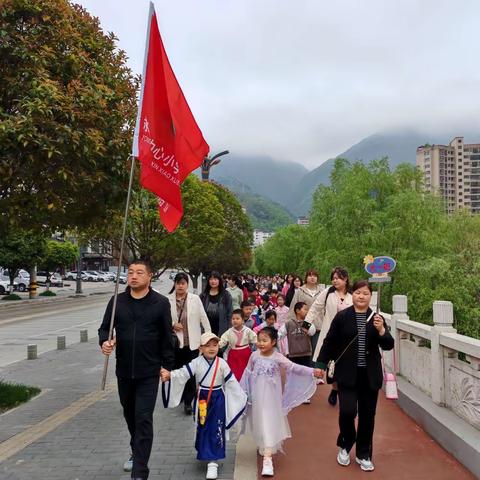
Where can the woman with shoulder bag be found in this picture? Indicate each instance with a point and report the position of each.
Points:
(353, 342)
(332, 300)
(188, 321)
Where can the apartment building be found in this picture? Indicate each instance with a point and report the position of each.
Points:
(452, 171)
(259, 237)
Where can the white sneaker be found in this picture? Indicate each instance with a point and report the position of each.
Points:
(212, 471)
(267, 470)
(128, 465)
(343, 457)
(365, 465)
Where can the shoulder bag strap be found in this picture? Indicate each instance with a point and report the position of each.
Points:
(354, 338)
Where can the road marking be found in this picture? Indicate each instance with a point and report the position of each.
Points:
(18, 442)
(50, 313)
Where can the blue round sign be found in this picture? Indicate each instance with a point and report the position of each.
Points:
(381, 265)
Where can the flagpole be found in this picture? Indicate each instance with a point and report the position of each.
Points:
(119, 264)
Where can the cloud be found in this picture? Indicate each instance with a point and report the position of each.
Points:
(304, 80)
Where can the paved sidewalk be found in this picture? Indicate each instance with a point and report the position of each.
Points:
(401, 449)
(90, 443)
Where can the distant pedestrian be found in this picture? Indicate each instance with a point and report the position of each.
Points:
(188, 321)
(217, 303)
(238, 342)
(288, 281)
(144, 343)
(294, 286)
(235, 291)
(354, 341)
(282, 317)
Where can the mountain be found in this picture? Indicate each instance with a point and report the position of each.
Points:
(265, 214)
(265, 176)
(399, 147)
(291, 185)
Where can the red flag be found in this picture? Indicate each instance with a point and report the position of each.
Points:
(167, 140)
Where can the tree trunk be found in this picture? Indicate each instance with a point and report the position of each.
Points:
(32, 288)
(11, 276)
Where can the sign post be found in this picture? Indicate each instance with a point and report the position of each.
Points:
(379, 269)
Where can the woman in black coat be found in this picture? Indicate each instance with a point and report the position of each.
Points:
(217, 303)
(353, 342)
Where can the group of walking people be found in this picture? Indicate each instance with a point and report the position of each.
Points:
(246, 351)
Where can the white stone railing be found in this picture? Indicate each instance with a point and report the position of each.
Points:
(436, 359)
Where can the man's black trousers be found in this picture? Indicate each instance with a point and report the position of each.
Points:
(138, 397)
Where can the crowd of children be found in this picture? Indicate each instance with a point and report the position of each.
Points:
(239, 376)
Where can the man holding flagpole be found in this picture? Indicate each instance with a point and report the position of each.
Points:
(144, 343)
(169, 146)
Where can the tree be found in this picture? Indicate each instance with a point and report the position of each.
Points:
(67, 109)
(20, 249)
(369, 209)
(214, 231)
(58, 255)
(283, 252)
(235, 254)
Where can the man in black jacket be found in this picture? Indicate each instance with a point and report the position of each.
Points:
(144, 342)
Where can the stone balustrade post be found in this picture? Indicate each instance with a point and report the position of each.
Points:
(399, 309)
(442, 323)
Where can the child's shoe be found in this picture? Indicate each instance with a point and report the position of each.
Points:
(267, 470)
(212, 471)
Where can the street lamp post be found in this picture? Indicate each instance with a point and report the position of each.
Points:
(209, 162)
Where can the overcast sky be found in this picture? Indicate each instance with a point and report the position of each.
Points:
(303, 80)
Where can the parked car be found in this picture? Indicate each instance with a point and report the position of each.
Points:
(21, 280)
(4, 286)
(73, 276)
(172, 275)
(123, 278)
(103, 276)
(55, 279)
(94, 276)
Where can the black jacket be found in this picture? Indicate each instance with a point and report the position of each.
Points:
(342, 330)
(144, 342)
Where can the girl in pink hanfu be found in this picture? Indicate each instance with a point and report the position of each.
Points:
(282, 318)
(267, 405)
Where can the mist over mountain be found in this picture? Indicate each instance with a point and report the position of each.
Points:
(292, 185)
(265, 176)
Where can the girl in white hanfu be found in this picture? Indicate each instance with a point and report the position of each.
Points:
(219, 404)
(268, 405)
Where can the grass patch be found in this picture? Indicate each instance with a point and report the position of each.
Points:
(48, 293)
(14, 394)
(12, 296)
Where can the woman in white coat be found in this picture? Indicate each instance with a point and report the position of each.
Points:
(326, 305)
(189, 321)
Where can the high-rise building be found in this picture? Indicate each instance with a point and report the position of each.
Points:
(452, 171)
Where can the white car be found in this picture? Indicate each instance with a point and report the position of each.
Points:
(73, 276)
(93, 276)
(104, 277)
(21, 282)
(4, 286)
(55, 279)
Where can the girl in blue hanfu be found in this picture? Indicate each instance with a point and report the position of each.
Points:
(220, 400)
(268, 405)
